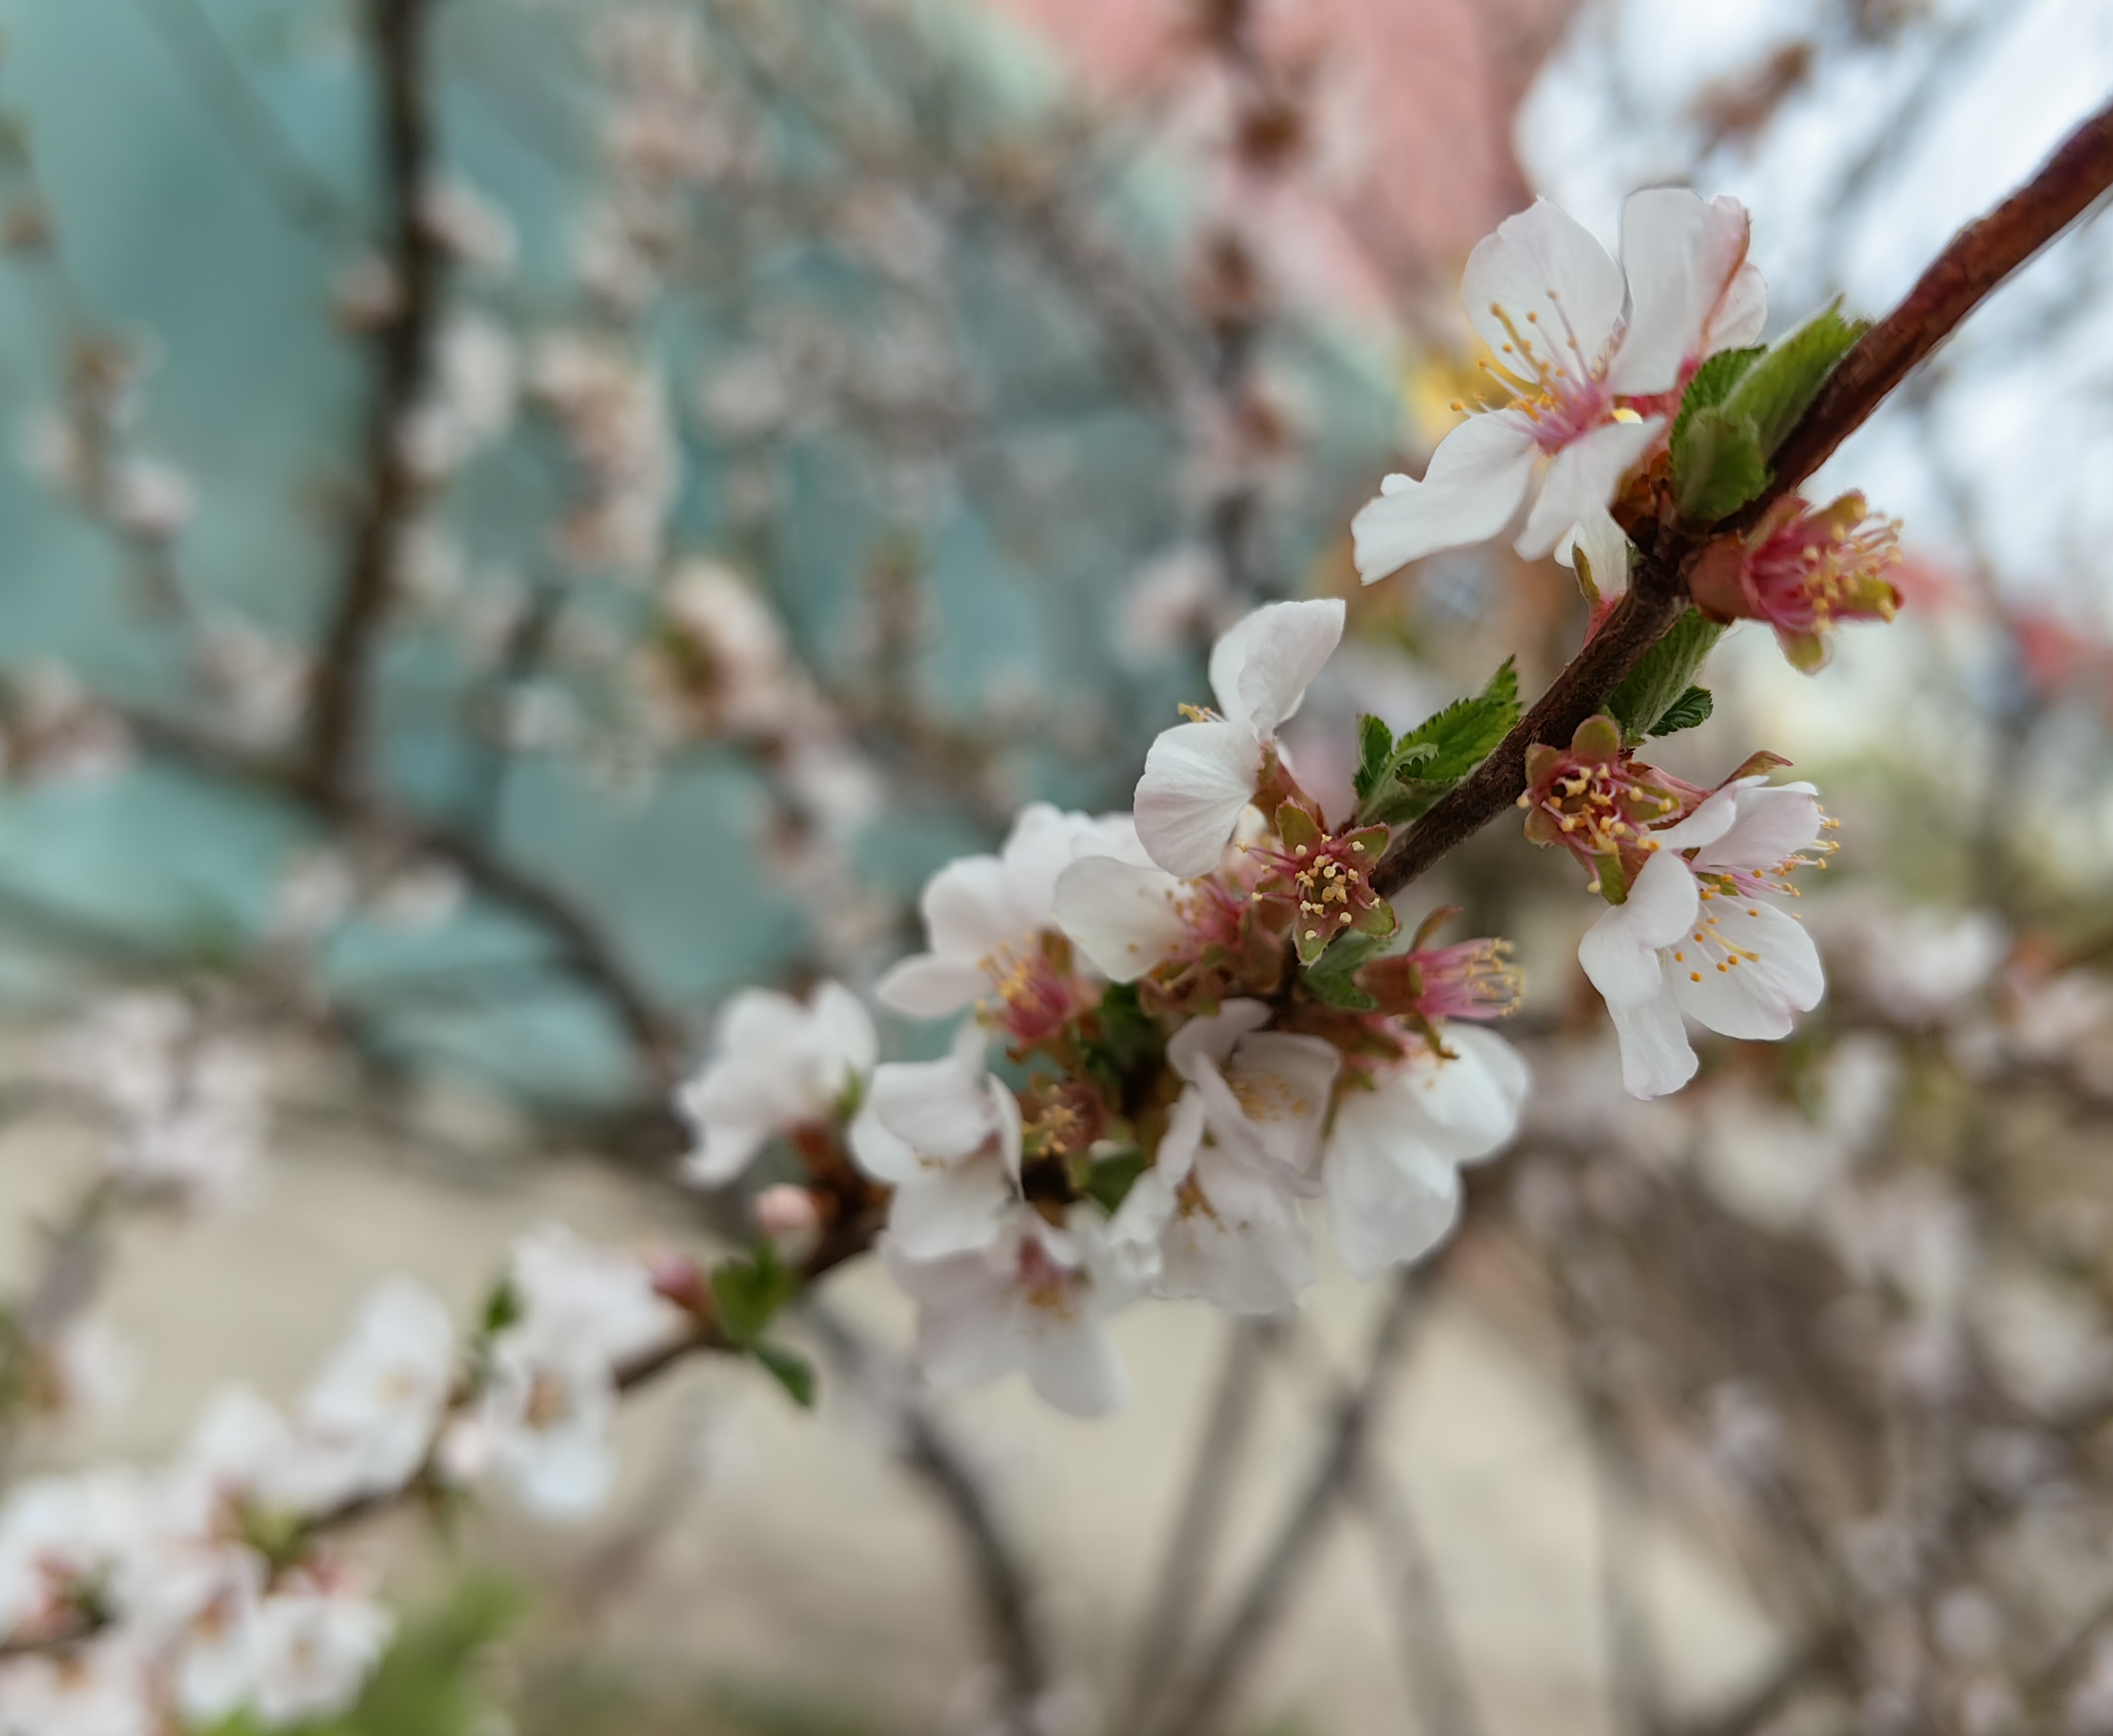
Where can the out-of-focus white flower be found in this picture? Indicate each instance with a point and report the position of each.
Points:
(568, 1287)
(1392, 1162)
(62, 1536)
(314, 1640)
(471, 401)
(1774, 1165)
(263, 681)
(100, 1689)
(1742, 969)
(612, 407)
(375, 1408)
(1264, 1093)
(1029, 1303)
(946, 1136)
(1199, 776)
(53, 730)
(1589, 391)
(1170, 601)
(91, 1370)
(781, 1067)
(989, 921)
(366, 293)
(468, 225)
(188, 1102)
(720, 663)
(1917, 965)
(150, 499)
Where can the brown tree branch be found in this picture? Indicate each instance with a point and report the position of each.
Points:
(399, 33)
(1979, 258)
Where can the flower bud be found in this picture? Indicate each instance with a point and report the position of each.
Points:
(1801, 570)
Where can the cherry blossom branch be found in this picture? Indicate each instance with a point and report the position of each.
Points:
(1975, 262)
(399, 39)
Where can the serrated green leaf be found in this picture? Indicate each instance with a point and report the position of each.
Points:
(1442, 749)
(749, 1292)
(1711, 385)
(1692, 708)
(791, 1370)
(1375, 750)
(1773, 393)
(1719, 465)
(1662, 680)
(502, 1308)
(1334, 977)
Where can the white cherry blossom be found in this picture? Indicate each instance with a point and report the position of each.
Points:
(1395, 1151)
(1264, 1093)
(1201, 776)
(986, 920)
(1741, 966)
(101, 1690)
(1591, 384)
(780, 1067)
(1033, 1302)
(374, 1410)
(314, 1640)
(946, 1136)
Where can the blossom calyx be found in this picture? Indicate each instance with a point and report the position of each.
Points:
(1327, 880)
(1595, 799)
(1802, 569)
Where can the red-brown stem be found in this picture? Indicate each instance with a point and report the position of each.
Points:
(1979, 258)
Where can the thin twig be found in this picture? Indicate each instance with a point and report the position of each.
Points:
(398, 36)
(1979, 258)
(1208, 1488)
(1224, 1664)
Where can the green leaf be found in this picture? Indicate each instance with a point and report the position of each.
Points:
(1711, 385)
(1773, 393)
(1334, 977)
(1662, 680)
(1109, 1181)
(1719, 465)
(750, 1292)
(502, 1308)
(792, 1371)
(1441, 750)
(1691, 708)
(1374, 753)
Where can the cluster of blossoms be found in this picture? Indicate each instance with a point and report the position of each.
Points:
(206, 1588)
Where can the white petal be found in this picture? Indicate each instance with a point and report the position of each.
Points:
(1581, 482)
(1212, 1036)
(1199, 777)
(1656, 1056)
(1244, 1247)
(970, 910)
(943, 1212)
(926, 986)
(1262, 666)
(1544, 249)
(722, 1153)
(843, 1029)
(1619, 952)
(1468, 1106)
(1042, 844)
(1183, 1138)
(1073, 1365)
(883, 1156)
(941, 1108)
(1390, 1199)
(760, 1023)
(1123, 918)
(1717, 815)
(1778, 972)
(1276, 1085)
(1691, 291)
(1605, 545)
(1470, 490)
(1771, 825)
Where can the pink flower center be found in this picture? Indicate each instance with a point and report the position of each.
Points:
(1551, 380)
(1034, 1000)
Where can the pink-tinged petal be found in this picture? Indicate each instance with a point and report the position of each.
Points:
(1244, 1247)
(1777, 973)
(944, 1212)
(1211, 1037)
(1072, 1364)
(1510, 277)
(970, 910)
(1772, 826)
(966, 1333)
(1584, 478)
(927, 986)
(1471, 490)
(1198, 778)
(1279, 1084)
(1262, 666)
(1656, 1056)
(1391, 1198)
(1619, 952)
(1691, 291)
(1468, 1106)
(1124, 919)
(1042, 843)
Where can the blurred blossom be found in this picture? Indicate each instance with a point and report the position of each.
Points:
(469, 225)
(263, 681)
(1172, 603)
(2047, 1341)
(1916, 965)
(611, 406)
(151, 498)
(52, 729)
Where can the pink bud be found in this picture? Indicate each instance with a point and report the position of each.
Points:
(785, 1211)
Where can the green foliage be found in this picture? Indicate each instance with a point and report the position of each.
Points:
(750, 1292)
(1661, 681)
(1691, 708)
(502, 1308)
(1398, 780)
(1335, 977)
(1108, 1180)
(1124, 1039)
(1739, 407)
(790, 1369)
